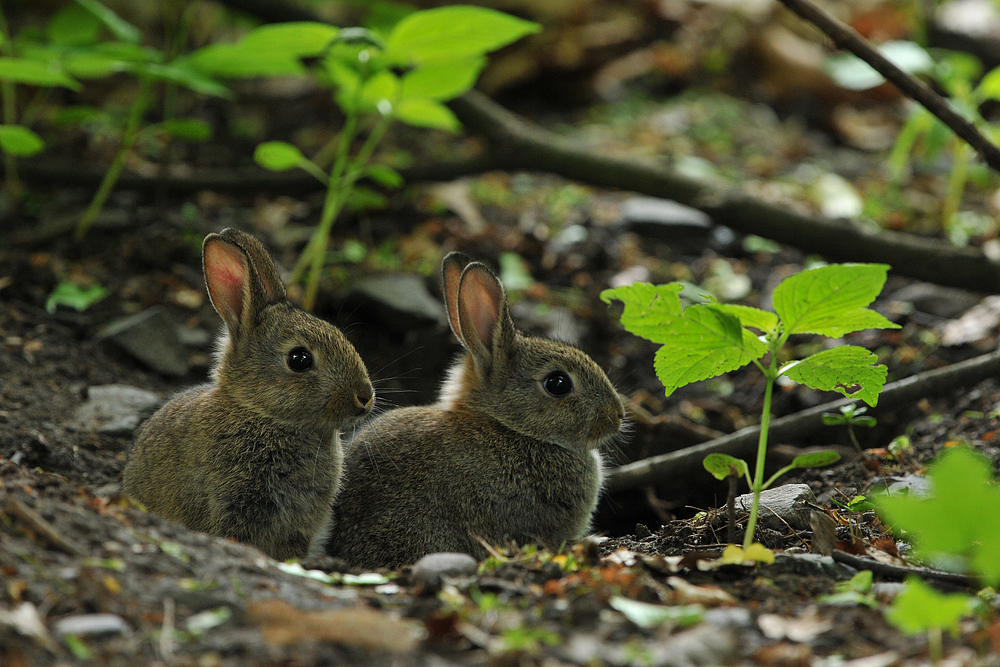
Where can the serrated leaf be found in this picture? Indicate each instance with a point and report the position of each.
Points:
(848, 369)
(831, 300)
(452, 33)
(35, 73)
(815, 459)
(427, 113)
(278, 156)
(700, 345)
(749, 316)
(920, 608)
(722, 465)
(118, 26)
(648, 308)
(443, 81)
(20, 141)
(959, 519)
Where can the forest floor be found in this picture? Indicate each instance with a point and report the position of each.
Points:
(89, 577)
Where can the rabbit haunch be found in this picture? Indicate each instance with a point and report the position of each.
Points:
(255, 454)
(509, 452)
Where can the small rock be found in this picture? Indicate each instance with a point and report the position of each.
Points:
(114, 409)
(431, 568)
(944, 302)
(664, 218)
(92, 624)
(918, 486)
(193, 337)
(151, 338)
(781, 505)
(401, 299)
(809, 565)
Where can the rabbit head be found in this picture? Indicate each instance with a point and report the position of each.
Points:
(540, 388)
(275, 359)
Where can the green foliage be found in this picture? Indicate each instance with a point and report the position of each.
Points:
(70, 294)
(647, 615)
(20, 141)
(278, 156)
(705, 340)
(855, 591)
(961, 520)
(919, 608)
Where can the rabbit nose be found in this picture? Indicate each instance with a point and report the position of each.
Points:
(363, 401)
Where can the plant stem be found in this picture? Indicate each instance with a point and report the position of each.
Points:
(934, 645)
(956, 183)
(765, 419)
(129, 137)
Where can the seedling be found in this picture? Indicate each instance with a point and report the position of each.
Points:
(851, 415)
(404, 74)
(68, 293)
(705, 340)
(920, 608)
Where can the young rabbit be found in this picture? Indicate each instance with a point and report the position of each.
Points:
(509, 452)
(255, 454)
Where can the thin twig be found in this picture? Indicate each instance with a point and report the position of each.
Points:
(37, 524)
(903, 571)
(846, 37)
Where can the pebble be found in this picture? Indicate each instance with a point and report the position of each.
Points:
(809, 565)
(150, 337)
(431, 568)
(401, 299)
(916, 485)
(114, 409)
(781, 505)
(944, 302)
(92, 624)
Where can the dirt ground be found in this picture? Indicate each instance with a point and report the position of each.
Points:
(89, 578)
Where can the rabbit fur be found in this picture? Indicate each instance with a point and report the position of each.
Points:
(497, 458)
(255, 454)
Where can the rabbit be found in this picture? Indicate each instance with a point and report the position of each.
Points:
(509, 451)
(255, 453)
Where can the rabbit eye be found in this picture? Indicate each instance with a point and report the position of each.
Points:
(300, 359)
(558, 384)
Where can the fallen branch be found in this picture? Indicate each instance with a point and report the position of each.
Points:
(846, 37)
(35, 523)
(901, 572)
(665, 468)
(518, 144)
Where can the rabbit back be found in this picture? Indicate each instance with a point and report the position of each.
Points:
(423, 480)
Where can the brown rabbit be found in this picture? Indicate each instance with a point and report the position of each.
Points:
(509, 452)
(255, 454)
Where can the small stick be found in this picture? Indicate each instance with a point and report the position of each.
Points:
(41, 527)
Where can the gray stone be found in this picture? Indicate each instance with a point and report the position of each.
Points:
(91, 624)
(664, 219)
(916, 485)
(402, 299)
(809, 565)
(430, 569)
(114, 409)
(782, 506)
(151, 338)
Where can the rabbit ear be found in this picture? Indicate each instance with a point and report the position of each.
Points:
(240, 276)
(451, 273)
(483, 315)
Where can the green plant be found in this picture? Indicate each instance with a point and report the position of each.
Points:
(68, 293)
(919, 608)
(705, 340)
(851, 415)
(404, 73)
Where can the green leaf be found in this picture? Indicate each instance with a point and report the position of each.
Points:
(701, 344)
(271, 50)
(35, 73)
(749, 316)
(960, 519)
(20, 141)
(384, 175)
(200, 623)
(722, 466)
(70, 294)
(443, 81)
(427, 113)
(118, 26)
(77, 647)
(831, 300)
(920, 608)
(648, 308)
(181, 73)
(452, 33)
(989, 86)
(73, 26)
(188, 129)
(278, 156)
(847, 369)
(815, 459)
(379, 91)
(647, 615)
